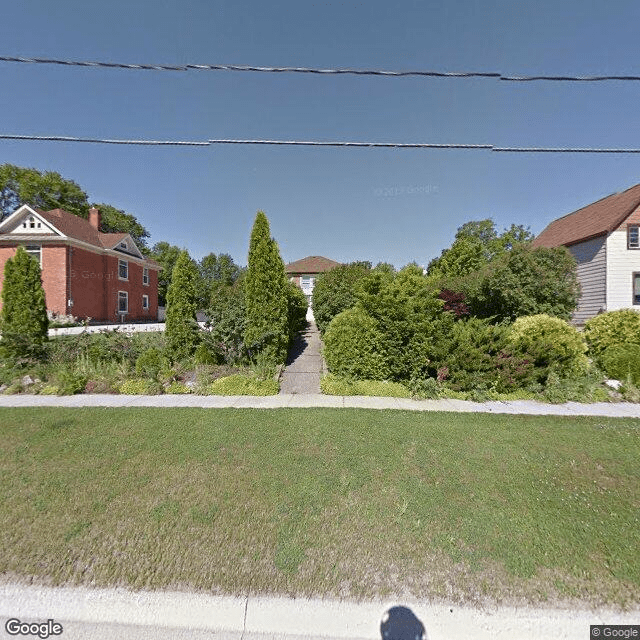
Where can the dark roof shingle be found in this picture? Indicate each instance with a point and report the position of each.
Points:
(591, 221)
(311, 264)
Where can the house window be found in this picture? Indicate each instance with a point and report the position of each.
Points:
(145, 276)
(123, 270)
(145, 302)
(31, 223)
(633, 236)
(35, 251)
(636, 288)
(307, 282)
(123, 245)
(123, 302)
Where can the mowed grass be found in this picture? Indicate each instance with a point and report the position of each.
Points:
(471, 508)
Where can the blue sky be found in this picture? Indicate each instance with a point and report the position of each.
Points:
(389, 205)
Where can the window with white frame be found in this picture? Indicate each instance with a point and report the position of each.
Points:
(123, 270)
(636, 288)
(633, 236)
(35, 251)
(145, 276)
(145, 302)
(307, 282)
(123, 302)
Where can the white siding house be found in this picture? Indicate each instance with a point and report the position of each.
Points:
(604, 238)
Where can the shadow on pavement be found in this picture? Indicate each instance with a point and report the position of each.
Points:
(400, 623)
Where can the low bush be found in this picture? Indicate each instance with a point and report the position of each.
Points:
(150, 362)
(354, 346)
(622, 362)
(424, 388)
(70, 382)
(552, 344)
(336, 386)
(140, 386)
(240, 385)
(611, 329)
(585, 388)
(177, 388)
(49, 390)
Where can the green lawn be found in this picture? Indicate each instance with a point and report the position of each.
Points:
(362, 503)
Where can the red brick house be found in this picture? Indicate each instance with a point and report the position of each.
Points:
(304, 272)
(604, 238)
(86, 273)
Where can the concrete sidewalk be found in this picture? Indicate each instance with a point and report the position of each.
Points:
(528, 407)
(119, 613)
(304, 366)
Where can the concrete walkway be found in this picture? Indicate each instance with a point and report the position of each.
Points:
(93, 614)
(303, 370)
(299, 400)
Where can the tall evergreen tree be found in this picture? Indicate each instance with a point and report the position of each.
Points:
(266, 295)
(181, 329)
(23, 321)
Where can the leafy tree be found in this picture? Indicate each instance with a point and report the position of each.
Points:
(167, 255)
(23, 320)
(227, 322)
(49, 190)
(266, 295)
(214, 270)
(335, 291)
(46, 191)
(114, 220)
(477, 243)
(181, 329)
(385, 267)
(408, 313)
(525, 282)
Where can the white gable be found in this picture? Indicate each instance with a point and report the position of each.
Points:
(127, 245)
(25, 221)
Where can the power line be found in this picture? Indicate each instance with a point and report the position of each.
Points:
(311, 70)
(316, 143)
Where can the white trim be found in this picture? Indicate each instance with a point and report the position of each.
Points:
(126, 264)
(26, 210)
(145, 275)
(145, 307)
(126, 297)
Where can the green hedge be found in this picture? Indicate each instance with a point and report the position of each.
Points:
(355, 347)
(611, 329)
(552, 343)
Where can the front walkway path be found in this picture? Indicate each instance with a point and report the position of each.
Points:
(304, 365)
(299, 400)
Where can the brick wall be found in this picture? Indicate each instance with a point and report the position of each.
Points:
(91, 280)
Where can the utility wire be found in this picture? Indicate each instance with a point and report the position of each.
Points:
(347, 71)
(317, 143)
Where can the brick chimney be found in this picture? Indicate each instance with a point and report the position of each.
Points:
(94, 218)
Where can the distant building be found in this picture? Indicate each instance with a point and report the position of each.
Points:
(604, 238)
(304, 272)
(85, 273)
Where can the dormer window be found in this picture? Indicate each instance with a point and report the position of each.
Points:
(633, 236)
(123, 245)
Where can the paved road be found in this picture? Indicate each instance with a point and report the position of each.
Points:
(304, 365)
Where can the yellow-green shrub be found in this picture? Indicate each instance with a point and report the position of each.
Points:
(552, 343)
(611, 329)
